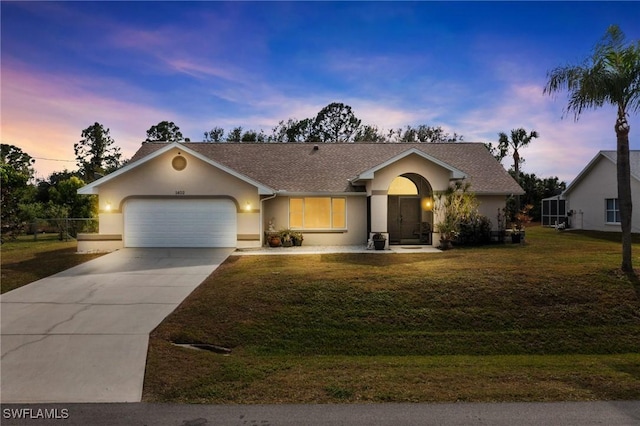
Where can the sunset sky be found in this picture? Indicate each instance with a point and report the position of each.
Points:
(474, 68)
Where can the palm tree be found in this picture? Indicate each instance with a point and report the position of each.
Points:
(610, 76)
(519, 139)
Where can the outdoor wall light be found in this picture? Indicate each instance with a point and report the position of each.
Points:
(247, 206)
(427, 204)
(107, 206)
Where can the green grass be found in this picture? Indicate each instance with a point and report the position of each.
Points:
(550, 320)
(25, 260)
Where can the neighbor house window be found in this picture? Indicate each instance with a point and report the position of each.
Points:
(317, 213)
(612, 210)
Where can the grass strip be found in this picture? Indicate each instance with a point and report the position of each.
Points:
(26, 260)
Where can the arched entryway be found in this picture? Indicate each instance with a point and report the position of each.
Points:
(409, 214)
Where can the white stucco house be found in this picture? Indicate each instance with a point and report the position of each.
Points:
(229, 194)
(591, 200)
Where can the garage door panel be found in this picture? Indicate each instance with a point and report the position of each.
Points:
(180, 223)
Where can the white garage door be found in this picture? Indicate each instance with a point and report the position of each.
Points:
(180, 223)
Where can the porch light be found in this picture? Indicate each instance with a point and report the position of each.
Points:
(247, 206)
(427, 204)
(107, 206)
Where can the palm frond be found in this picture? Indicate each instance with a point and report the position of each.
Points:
(610, 76)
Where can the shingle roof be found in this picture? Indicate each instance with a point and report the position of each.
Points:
(298, 167)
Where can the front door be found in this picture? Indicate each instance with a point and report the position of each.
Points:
(403, 219)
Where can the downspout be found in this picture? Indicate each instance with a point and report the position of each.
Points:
(262, 200)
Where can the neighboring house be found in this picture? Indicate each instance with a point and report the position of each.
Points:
(591, 200)
(231, 194)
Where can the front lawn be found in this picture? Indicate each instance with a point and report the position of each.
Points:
(551, 320)
(26, 260)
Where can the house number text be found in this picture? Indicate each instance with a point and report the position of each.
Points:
(180, 192)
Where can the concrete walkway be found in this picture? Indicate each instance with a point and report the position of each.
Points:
(82, 335)
(334, 249)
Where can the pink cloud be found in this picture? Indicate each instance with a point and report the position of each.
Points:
(44, 114)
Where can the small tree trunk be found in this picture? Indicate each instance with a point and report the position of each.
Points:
(624, 189)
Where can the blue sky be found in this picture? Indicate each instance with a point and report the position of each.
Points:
(474, 68)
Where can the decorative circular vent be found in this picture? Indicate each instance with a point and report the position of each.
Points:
(179, 163)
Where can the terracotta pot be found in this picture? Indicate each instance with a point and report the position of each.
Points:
(274, 241)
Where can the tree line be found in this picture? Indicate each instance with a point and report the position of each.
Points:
(335, 123)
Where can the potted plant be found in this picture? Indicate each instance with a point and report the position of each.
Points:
(297, 238)
(285, 236)
(520, 220)
(448, 229)
(447, 235)
(274, 240)
(379, 241)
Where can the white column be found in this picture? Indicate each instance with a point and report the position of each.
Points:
(379, 213)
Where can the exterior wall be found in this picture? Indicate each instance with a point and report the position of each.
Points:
(489, 206)
(249, 228)
(587, 198)
(157, 178)
(111, 222)
(277, 209)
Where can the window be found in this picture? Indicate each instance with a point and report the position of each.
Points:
(612, 210)
(554, 211)
(296, 212)
(402, 186)
(318, 213)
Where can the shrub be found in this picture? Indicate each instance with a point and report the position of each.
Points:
(476, 230)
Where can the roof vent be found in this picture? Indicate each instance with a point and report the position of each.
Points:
(316, 147)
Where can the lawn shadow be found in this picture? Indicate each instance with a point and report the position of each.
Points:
(614, 237)
(634, 278)
(35, 265)
(41, 265)
(374, 259)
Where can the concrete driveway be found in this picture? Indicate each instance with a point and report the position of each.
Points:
(82, 335)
